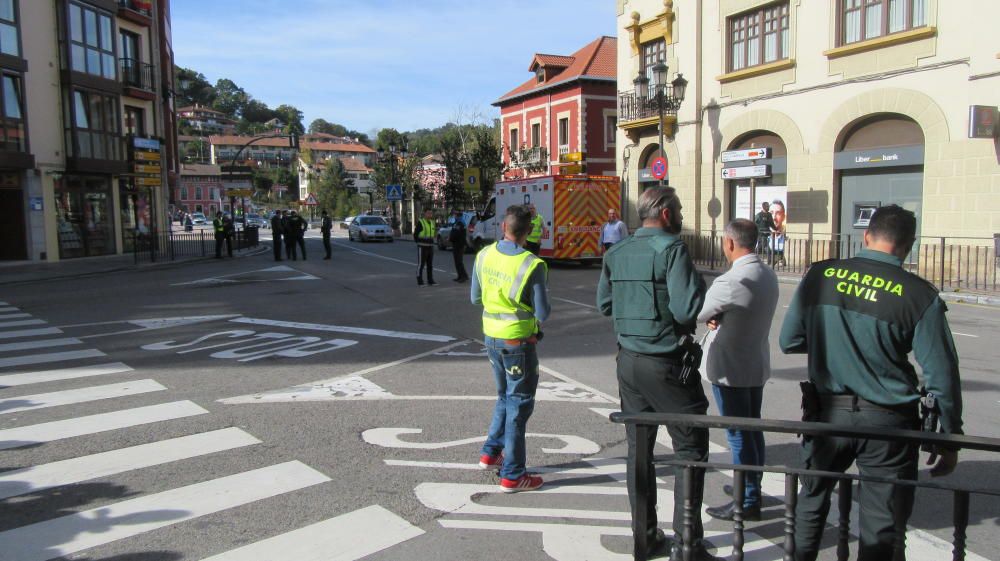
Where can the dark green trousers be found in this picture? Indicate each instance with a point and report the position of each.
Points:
(878, 502)
(649, 384)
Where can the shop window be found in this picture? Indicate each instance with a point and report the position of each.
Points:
(83, 217)
(9, 43)
(11, 103)
(95, 126)
(652, 53)
(92, 47)
(860, 20)
(758, 37)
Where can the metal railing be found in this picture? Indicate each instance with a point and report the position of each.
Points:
(144, 7)
(956, 264)
(645, 422)
(171, 246)
(136, 74)
(632, 107)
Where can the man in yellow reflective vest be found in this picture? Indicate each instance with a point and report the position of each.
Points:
(510, 282)
(221, 236)
(424, 234)
(533, 242)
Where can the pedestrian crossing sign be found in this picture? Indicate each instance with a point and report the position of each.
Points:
(393, 192)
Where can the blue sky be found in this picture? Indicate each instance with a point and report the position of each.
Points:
(370, 64)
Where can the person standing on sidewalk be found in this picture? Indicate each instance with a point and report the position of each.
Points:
(298, 226)
(533, 242)
(613, 231)
(277, 229)
(739, 308)
(289, 234)
(765, 226)
(326, 227)
(510, 284)
(424, 236)
(219, 228)
(649, 285)
(858, 319)
(457, 238)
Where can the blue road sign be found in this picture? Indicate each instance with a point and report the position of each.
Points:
(393, 192)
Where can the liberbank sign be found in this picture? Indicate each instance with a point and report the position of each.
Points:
(879, 158)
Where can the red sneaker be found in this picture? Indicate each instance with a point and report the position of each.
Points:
(524, 483)
(490, 462)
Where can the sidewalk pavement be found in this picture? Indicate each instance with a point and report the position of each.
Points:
(18, 272)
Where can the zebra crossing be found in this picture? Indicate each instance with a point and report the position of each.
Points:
(32, 353)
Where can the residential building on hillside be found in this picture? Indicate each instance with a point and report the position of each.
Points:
(86, 155)
(265, 152)
(205, 120)
(857, 104)
(322, 149)
(563, 119)
(359, 174)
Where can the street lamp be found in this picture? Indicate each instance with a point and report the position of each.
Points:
(664, 101)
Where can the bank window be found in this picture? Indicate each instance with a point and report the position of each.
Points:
(861, 20)
(536, 135)
(652, 53)
(758, 37)
(12, 122)
(92, 47)
(8, 29)
(95, 126)
(564, 132)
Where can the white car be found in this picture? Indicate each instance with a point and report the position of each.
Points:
(198, 218)
(367, 228)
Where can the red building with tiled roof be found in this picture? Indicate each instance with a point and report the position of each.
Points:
(568, 108)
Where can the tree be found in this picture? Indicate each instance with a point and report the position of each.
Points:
(192, 88)
(292, 118)
(257, 111)
(455, 162)
(334, 188)
(197, 151)
(326, 127)
(487, 155)
(230, 98)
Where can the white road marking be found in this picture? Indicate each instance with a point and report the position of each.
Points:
(565, 378)
(49, 357)
(29, 333)
(82, 395)
(21, 323)
(91, 528)
(345, 329)
(40, 344)
(8, 310)
(965, 334)
(410, 263)
(79, 426)
(459, 498)
(40, 376)
(389, 438)
(13, 316)
(233, 278)
(574, 302)
(615, 471)
(85, 468)
(347, 537)
(155, 323)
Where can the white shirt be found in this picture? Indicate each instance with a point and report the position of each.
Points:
(613, 232)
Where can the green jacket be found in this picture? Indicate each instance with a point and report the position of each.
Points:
(858, 319)
(650, 287)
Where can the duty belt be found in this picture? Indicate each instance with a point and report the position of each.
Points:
(856, 403)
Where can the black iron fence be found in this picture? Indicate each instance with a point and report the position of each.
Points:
(170, 246)
(136, 74)
(950, 263)
(633, 107)
(645, 422)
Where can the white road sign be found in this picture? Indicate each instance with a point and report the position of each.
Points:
(746, 172)
(743, 155)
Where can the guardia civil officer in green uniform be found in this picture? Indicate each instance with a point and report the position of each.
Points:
(857, 319)
(651, 288)
(219, 227)
(424, 235)
(510, 282)
(533, 242)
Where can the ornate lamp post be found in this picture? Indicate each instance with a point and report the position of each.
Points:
(663, 100)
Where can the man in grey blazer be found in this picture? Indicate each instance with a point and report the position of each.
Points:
(738, 310)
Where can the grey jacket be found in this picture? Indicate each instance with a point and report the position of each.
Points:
(744, 299)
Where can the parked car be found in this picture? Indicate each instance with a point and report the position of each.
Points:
(346, 223)
(366, 228)
(198, 218)
(444, 232)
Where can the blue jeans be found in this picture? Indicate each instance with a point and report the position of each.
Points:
(747, 446)
(515, 368)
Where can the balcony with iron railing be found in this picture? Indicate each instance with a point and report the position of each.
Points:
(136, 11)
(529, 157)
(636, 111)
(137, 77)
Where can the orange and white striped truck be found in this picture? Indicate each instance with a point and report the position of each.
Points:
(574, 208)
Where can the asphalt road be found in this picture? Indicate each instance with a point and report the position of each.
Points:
(246, 409)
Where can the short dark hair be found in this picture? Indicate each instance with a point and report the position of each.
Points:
(653, 200)
(518, 220)
(894, 224)
(743, 232)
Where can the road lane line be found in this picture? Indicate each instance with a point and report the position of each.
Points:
(965, 334)
(29, 333)
(410, 263)
(573, 302)
(345, 329)
(347, 537)
(82, 395)
(13, 316)
(8, 310)
(20, 323)
(49, 357)
(84, 530)
(80, 426)
(85, 468)
(40, 376)
(40, 344)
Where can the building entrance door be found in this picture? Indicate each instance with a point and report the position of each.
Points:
(13, 240)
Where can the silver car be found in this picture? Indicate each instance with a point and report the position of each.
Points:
(368, 228)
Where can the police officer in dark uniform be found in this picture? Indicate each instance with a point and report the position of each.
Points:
(277, 229)
(325, 227)
(857, 319)
(457, 238)
(298, 227)
(651, 288)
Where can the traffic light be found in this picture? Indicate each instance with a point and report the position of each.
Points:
(293, 139)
